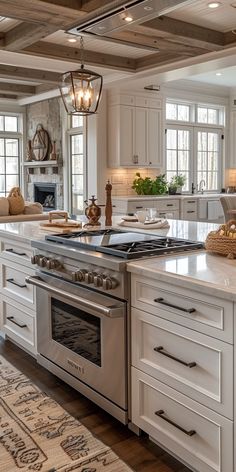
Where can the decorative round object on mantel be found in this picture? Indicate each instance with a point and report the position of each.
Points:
(41, 144)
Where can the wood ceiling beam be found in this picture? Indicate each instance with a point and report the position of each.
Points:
(154, 42)
(91, 58)
(33, 75)
(17, 89)
(181, 32)
(5, 95)
(155, 60)
(230, 38)
(41, 11)
(24, 35)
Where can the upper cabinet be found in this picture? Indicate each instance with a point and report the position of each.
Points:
(135, 131)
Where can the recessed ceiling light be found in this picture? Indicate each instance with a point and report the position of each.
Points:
(128, 18)
(213, 4)
(218, 73)
(72, 40)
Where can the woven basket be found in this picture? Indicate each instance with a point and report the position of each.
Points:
(224, 245)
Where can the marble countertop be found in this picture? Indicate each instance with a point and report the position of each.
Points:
(195, 269)
(28, 231)
(206, 195)
(198, 270)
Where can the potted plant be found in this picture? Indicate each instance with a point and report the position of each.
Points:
(147, 186)
(176, 184)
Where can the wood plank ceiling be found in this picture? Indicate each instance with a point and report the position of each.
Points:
(37, 29)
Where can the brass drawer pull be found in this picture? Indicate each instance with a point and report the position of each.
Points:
(13, 282)
(160, 413)
(13, 251)
(162, 302)
(169, 205)
(20, 325)
(160, 349)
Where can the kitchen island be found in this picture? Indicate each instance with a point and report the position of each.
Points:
(182, 337)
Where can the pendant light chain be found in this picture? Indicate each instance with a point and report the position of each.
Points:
(82, 51)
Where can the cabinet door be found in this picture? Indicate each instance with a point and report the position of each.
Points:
(140, 136)
(127, 136)
(154, 138)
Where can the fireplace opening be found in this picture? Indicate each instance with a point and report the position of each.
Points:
(46, 195)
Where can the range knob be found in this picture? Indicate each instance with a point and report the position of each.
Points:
(98, 280)
(79, 275)
(89, 277)
(35, 258)
(109, 283)
(42, 262)
(53, 264)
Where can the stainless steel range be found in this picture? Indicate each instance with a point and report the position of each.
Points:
(83, 305)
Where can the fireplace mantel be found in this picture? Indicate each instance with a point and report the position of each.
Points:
(52, 163)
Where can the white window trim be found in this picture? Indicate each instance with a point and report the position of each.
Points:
(71, 132)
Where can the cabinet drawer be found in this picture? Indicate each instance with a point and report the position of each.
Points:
(167, 205)
(127, 100)
(15, 251)
(197, 435)
(140, 205)
(13, 284)
(19, 323)
(204, 313)
(197, 365)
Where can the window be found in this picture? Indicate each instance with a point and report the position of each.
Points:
(194, 150)
(77, 164)
(10, 147)
(178, 154)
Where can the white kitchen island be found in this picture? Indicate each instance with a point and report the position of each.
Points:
(182, 336)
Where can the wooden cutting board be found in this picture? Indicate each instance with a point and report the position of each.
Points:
(61, 226)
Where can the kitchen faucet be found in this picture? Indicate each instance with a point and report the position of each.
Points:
(201, 184)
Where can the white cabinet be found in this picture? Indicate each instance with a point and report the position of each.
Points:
(182, 361)
(17, 298)
(163, 206)
(189, 210)
(135, 132)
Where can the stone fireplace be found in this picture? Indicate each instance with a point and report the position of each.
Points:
(46, 195)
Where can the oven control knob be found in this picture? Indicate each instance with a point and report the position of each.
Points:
(89, 277)
(35, 258)
(79, 275)
(109, 283)
(53, 264)
(98, 280)
(42, 261)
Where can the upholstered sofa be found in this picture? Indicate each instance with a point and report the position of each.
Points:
(31, 212)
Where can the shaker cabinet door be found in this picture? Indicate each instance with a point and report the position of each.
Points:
(154, 138)
(140, 136)
(126, 140)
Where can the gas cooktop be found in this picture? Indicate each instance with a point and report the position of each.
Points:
(127, 245)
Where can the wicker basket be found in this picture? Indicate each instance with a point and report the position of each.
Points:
(222, 244)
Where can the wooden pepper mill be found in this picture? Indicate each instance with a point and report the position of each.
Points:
(108, 207)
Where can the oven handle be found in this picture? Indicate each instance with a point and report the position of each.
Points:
(116, 311)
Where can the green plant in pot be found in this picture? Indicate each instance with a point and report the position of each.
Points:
(176, 184)
(147, 186)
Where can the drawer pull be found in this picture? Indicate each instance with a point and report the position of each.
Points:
(138, 208)
(169, 204)
(160, 413)
(13, 251)
(191, 201)
(160, 349)
(20, 325)
(162, 302)
(13, 282)
(190, 211)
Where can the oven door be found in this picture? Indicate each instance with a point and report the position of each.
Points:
(84, 333)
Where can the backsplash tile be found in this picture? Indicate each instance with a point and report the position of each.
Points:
(122, 179)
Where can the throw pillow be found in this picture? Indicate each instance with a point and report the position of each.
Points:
(4, 206)
(16, 201)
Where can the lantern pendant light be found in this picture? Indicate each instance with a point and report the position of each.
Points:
(81, 89)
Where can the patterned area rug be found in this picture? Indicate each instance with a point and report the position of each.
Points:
(36, 434)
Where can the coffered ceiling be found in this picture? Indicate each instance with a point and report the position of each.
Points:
(35, 34)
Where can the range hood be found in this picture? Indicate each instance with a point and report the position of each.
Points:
(137, 11)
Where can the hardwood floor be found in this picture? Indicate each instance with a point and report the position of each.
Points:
(139, 453)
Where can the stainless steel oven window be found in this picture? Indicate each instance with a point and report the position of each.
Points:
(76, 330)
